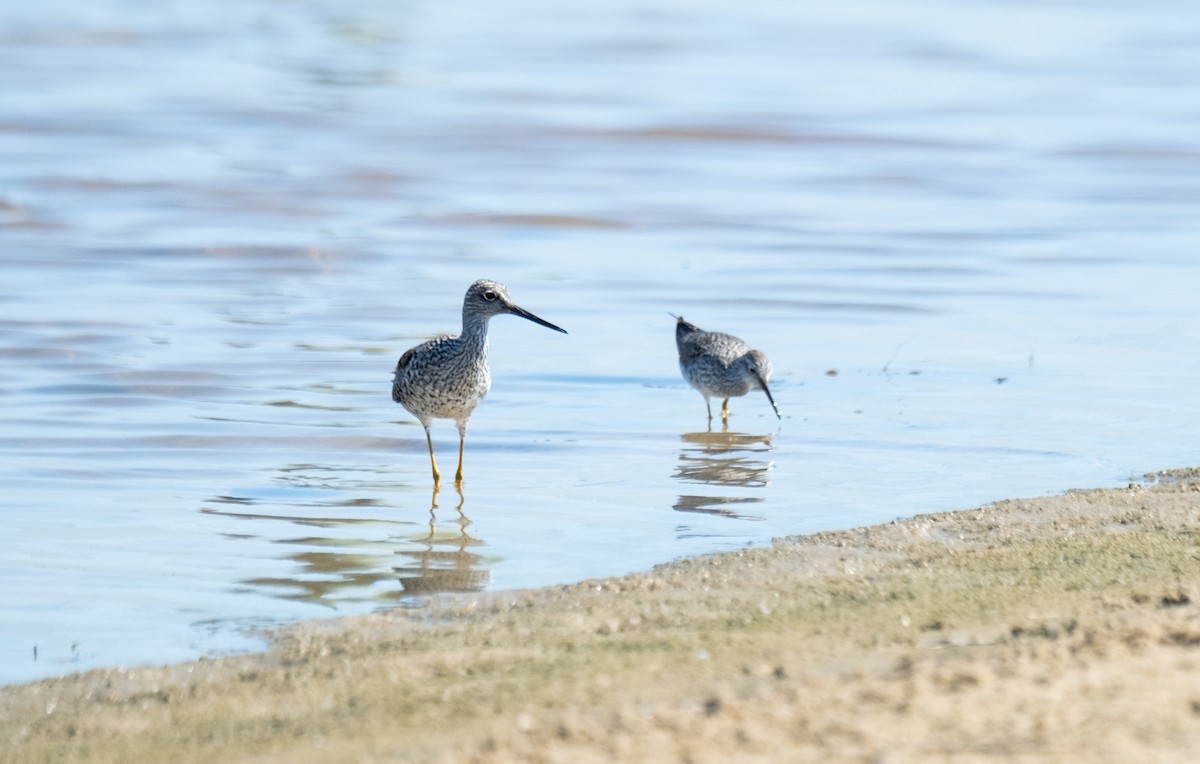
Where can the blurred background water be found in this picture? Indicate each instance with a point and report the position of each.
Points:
(965, 232)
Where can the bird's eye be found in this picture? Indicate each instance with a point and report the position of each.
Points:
(489, 295)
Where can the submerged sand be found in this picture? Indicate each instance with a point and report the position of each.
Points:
(1056, 629)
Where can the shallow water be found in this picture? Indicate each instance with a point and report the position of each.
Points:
(965, 235)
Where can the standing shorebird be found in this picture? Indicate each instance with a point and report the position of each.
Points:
(447, 377)
(721, 365)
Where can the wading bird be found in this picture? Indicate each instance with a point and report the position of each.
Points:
(447, 377)
(721, 366)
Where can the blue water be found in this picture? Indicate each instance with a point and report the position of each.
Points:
(965, 233)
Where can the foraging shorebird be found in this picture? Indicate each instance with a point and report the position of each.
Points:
(721, 366)
(447, 377)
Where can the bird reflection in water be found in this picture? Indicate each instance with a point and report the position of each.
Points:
(717, 458)
(717, 505)
(335, 566)
(340, 559)
(728, 459)
(441, 561)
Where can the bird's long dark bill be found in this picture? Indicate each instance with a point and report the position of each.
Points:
(767, 390)
(526, 314)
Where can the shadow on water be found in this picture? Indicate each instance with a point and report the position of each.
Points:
(347, 563)
(725, 459)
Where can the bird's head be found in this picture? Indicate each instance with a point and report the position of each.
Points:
(490, 298)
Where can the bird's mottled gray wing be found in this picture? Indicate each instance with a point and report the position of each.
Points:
(723, 347)
(689, 350)
(404, 359)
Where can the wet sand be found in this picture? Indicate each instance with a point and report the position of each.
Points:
(1053, 629)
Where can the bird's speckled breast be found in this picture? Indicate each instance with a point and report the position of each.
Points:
(442, 379)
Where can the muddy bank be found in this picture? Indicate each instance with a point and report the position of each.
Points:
(1032, 630)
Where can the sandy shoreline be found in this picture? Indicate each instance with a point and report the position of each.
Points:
(1063, 628)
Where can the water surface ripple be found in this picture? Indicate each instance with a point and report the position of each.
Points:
(965, 233)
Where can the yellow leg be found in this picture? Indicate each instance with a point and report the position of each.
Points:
(437, 476)
(725, 409)
(462, 440)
